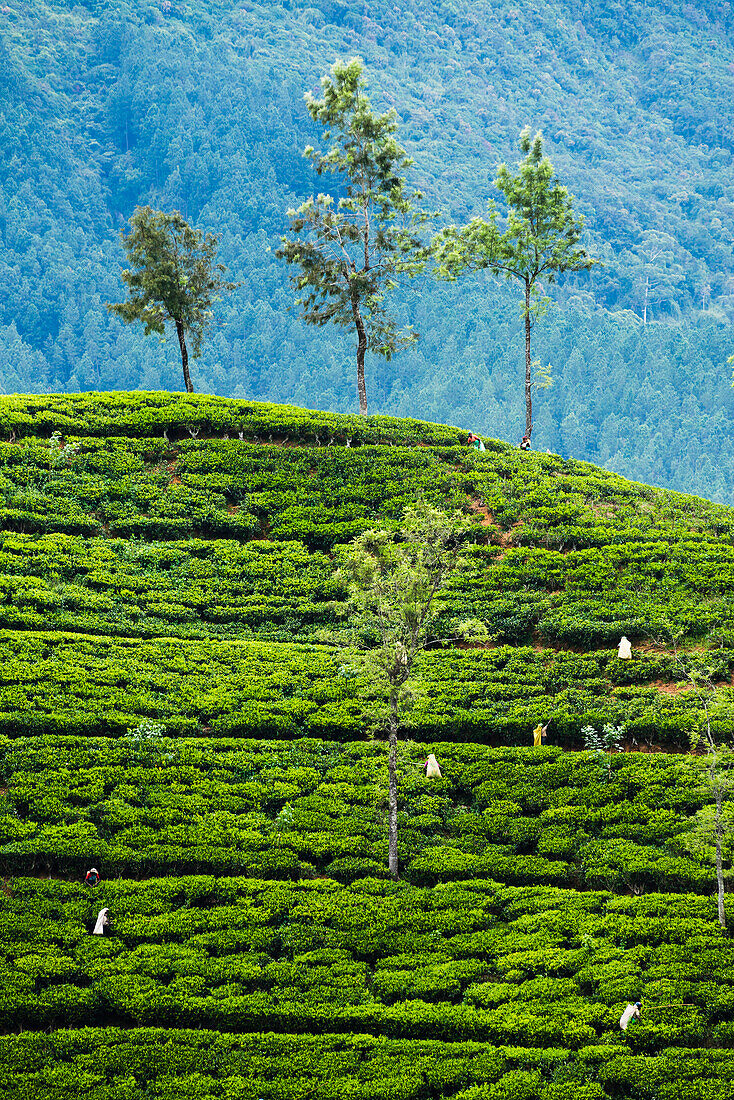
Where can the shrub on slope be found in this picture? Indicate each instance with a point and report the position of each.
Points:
(469, 960)
(289, 810)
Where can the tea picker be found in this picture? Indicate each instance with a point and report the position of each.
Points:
(634, 1011)
(631, 1012)
(102, 927)
(540, 734)
(92, 877)
(430, 767)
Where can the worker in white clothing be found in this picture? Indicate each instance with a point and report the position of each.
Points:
(431, 769)
(631, 1012)
(102, 927)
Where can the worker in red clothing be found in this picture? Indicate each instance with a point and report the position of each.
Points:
(92, 877)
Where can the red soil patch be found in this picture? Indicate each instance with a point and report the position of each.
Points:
(482, 510)
(670, 689)
(505, 537)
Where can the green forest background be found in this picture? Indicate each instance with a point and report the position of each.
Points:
(199, 106)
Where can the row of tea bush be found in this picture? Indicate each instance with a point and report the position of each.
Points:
(469, 960)
(143, 415)
(296, 809)
(576, 555)
(53, 682)
(281, 590)
(178, 1064)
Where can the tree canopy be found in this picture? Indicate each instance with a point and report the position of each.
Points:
(350, 252)
(173, 278)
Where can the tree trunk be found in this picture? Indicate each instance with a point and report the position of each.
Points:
(719, 843)
(361, 349)
(644, 307)
(184, 356)
(528, 380)
(392, 773)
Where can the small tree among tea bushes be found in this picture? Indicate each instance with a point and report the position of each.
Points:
(604, 744)
(394, 580)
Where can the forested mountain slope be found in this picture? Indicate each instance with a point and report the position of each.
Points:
(200, 106)
(175, 711)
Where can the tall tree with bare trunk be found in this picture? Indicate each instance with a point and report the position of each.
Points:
(395, 580)
(349, 253)
(540, 242)
(173, 278)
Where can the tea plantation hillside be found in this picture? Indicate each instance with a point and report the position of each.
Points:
(182, 705)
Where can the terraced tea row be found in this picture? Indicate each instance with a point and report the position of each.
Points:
(297, 809)
(281, 590)
(146, 415)
(471, 960)
(573, 554)
(64, 683)
(53, 682)
(125, 1064)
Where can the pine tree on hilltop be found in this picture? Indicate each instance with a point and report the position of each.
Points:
(350, 253)
(541, 241)
(173, 278)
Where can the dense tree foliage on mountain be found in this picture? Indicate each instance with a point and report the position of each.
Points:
(199, 107)
(541, 241)
(173, 279)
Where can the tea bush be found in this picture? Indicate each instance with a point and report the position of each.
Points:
(471, 960)
(295, 809)
(57, 682)
(118, 1062)
(573, 554)
(170, 559)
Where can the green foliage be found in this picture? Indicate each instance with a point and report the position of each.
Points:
(535, 967)
(541, 242)
(234, 509)
(395, 583)
(96, 1062)
(145, 744)
(58, 682)
(604, 744)
(309, 807)
(173, 278)
(350, 254)
(162, 716)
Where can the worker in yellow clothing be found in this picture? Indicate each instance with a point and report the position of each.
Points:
(540, 735)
